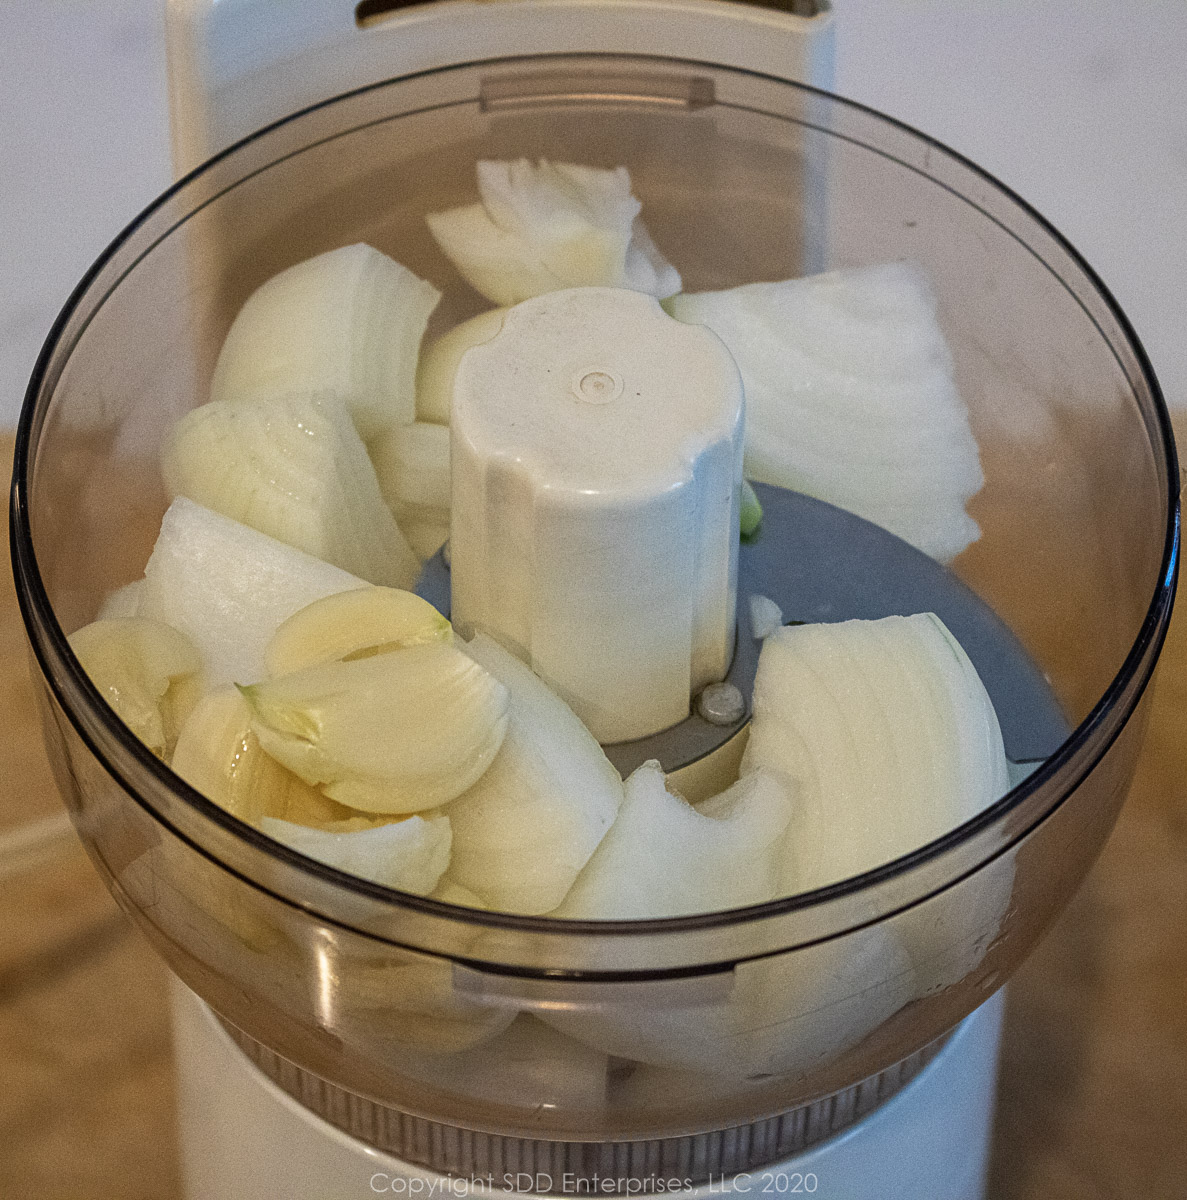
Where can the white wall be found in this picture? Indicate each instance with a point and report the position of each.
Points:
(1080, 105)
(83, 147)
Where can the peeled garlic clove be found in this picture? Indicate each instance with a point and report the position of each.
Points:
(218, 755)
(392, 733)
(665, 858)
(527, 827)
(370, 620)
(887, 732)
(540, 227)
(412, 466)
(850, 397)
(439, 362)
(410, 854)
(347, 323)
(146, 671)
(228, 587)
(292, 467)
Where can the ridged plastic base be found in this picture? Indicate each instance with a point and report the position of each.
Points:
(454, 1150)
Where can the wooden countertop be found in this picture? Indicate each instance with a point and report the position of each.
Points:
(1093, 1102)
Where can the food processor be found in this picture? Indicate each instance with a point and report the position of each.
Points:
(336, 1038)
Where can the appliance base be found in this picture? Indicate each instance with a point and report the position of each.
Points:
(242, 1138)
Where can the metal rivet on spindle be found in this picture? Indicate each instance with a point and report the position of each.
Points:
(721, 704)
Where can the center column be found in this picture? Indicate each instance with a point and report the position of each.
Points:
(596, 452)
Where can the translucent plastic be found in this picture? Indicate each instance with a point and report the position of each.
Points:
(596, 1031)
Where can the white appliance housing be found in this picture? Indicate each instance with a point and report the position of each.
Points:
(238, 65)
(243, 1138)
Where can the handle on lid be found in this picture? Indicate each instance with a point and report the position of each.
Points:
(526, 994)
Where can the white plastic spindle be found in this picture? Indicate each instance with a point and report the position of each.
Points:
(597, 459)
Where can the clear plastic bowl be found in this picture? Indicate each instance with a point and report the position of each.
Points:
(596, 1031)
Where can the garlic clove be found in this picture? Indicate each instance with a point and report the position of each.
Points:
(393, 733)
(220, 756)
(370, 620)
(147, 671)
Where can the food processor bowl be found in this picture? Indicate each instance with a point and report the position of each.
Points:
(594, 1032)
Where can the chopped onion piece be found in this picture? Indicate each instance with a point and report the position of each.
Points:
(347, 323)
(765, 617)
(540, 227)
(123, 602)
(412, 466)
(665, 858)
(410, 854)
(850, 397)
(887, 732)
(531, 822)
(439, 362)
(228, 587)
(292, 467)
(426, 537)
